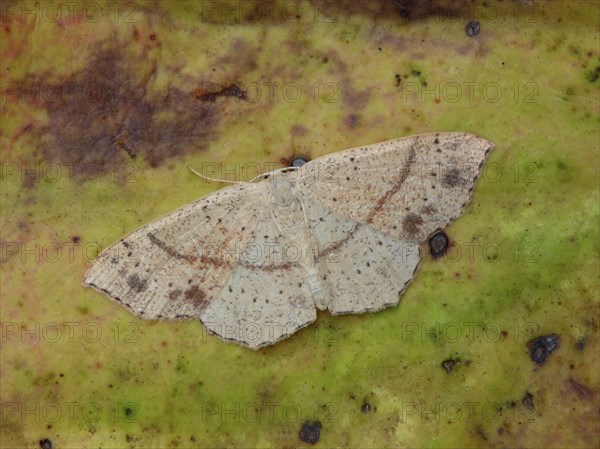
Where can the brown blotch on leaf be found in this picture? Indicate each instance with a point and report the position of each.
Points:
(230, 91)
(101, 118)
(136, 283)
(412, 224)
(580, 390)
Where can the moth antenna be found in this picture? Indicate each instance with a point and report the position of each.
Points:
(211, 179)
(266, 175)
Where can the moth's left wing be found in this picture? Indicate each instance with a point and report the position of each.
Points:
(175, 266)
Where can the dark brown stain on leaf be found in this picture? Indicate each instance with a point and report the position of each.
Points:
(104, 116)
(230, 91)
(403, 9)
(580, 390)
(136, 283)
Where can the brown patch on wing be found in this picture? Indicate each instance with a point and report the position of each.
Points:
(412, 224)
(136, 283)
(175, 294)
(428, 210)
(452, 178)
(196, 295)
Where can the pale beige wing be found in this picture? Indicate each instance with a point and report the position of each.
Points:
(217, 259)
(360, 269)
(406, 188)
(175, 266)
(370, 208)
(266, 298)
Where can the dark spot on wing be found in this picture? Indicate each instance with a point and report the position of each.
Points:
(412, 224)
(310, 432)
(428, 210)
(438, 244)
(196, 295)
(175, 294)
(541, 347)
(451, 178)
(136, 283)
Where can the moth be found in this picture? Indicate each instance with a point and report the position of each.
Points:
(254, 261)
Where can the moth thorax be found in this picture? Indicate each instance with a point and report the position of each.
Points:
(283, 194)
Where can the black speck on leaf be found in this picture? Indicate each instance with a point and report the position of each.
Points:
(541, 347)
(593, 75)
(298, 161)
(310, 432)
(472, 28)
(527, 400)
(438, 244)
(449, 365)
(45, 444)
